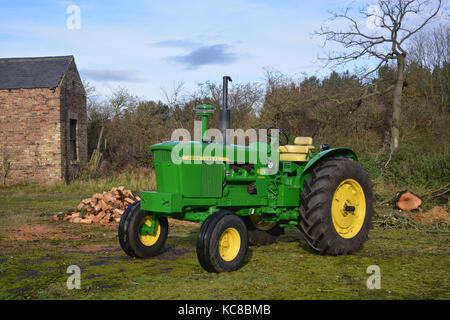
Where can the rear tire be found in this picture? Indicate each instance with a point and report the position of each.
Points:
(336, 206)
(222, 242)
(260, 233)
(132, 241)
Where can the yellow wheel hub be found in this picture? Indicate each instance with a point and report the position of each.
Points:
(261, 224)
(348, 208)
(229, 244)
(150, 239)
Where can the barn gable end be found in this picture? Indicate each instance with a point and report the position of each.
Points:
(43, 120)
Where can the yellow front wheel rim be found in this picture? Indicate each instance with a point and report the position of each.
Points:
(150, 239)
(260, 224)
(229, 244)
(348, 208)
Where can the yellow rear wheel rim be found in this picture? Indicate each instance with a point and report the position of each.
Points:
(229, 244)
(348, 208)
(261, 224)
(149, 239)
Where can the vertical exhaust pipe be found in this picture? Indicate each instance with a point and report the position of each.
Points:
(224, 115)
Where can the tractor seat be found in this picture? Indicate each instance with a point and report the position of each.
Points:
(297, 152)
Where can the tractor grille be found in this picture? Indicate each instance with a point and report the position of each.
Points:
(189, 179)
(211, 180)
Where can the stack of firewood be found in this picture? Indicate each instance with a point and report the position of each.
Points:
(101, 208)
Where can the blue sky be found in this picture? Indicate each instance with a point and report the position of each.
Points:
(148, 45)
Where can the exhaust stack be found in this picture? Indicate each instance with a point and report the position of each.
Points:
(224, 115)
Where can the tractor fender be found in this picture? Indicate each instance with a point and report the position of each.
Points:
(346, 152)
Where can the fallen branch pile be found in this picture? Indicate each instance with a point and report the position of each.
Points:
(102, 208)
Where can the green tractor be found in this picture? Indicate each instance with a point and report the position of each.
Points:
(245, 195)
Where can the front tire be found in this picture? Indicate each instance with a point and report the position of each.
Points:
(336, 206)
(222, 242)
(136, 243)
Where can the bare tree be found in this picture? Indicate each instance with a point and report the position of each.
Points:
(120, 100)
(381, 34)
(431, 50)
(174, 98)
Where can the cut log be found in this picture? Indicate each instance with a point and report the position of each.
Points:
(116, 205)
(107, 197)
(106, 219)
(101, 214)
(97, 196)
(80, 206)
(406, 200)
(118, 212)
(128, 193)
(103, 205)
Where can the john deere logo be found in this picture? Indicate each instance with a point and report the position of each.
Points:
(204, 158)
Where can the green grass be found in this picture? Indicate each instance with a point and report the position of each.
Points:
(414, 260)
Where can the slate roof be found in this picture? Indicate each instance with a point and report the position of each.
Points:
(26, 73)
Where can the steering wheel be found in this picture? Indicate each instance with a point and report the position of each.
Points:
(286, 138)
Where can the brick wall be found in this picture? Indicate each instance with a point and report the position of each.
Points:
(30, 129)
(34, 127)
(73, 106)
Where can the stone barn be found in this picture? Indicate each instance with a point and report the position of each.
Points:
(43, 119)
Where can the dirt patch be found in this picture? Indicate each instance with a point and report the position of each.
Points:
(437, 214)
(39, 232)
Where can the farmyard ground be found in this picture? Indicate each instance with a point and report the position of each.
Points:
(35, 252)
